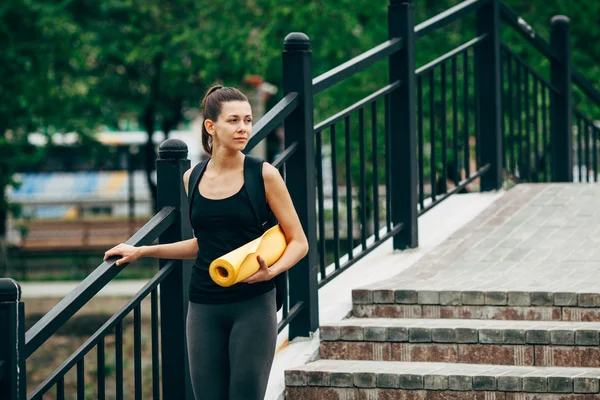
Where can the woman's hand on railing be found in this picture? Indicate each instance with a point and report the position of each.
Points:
(127, 252)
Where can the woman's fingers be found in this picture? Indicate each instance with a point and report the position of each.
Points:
(115, 251)
(261, 262)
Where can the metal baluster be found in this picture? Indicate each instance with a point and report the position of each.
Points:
(421, 141)
(119, 359)
(579, 124)
(363, 181)
(81, 379)
(375, 169)
(388, 167)
(536, 140)
(455, 121)
(350, 238)
(321, 201)
(433, 176)
(155, 351)
(336, 199)
(285, 307)
(511, 125)
(519, 134)
(60, 388)
(587, 150)
(476, 106)
(100, 366)
(466, 116)
(527, 128)
(545, 147)
(595, 151)
(444, 133)
(504, 93)
(137, 351)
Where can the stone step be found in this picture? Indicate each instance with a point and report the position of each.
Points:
(382, 302)
(334, 379)
(531, 343)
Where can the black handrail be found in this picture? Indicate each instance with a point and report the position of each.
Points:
(287, 153)
(102, 331)
(586, 86)
(96, 281)
(447, 17)
(272, 119)
(356, 64)
(582, 116)
(527, 32)
(361, 103)
(458, 50)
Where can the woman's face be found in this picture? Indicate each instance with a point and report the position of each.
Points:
(233, 127)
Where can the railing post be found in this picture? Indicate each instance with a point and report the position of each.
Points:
(300, 178)
(489, 78)
(171, 164)
(402, 120)
(12, 341)
(561, 135)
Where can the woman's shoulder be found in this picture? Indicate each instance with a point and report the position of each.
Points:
(269, 172)
(186, 179)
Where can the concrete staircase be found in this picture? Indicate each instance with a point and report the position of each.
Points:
(508, 308)
(418, 358)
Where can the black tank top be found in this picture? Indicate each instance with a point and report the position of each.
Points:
(221, 226)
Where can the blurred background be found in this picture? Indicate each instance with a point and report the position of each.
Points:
(89, 89)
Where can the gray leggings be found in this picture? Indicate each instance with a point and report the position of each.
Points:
(231, 348)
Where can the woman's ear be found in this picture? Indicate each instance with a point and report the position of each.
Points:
(210, 126)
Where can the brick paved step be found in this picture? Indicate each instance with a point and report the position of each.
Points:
(456, 304)
(533, 343)
(368, 380)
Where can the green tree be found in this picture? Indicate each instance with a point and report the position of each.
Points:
(41, 87)
(154, 60)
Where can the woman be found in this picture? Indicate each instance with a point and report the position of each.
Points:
(231, 332)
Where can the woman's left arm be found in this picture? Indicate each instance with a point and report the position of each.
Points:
(282, 206)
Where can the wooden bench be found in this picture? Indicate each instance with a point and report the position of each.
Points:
(76, 236)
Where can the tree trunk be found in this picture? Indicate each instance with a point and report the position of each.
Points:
(150, 155)
(148, 119)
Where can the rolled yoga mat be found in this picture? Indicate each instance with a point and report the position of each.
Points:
(241, 263)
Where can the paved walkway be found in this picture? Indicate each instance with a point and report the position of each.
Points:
(542, 237)
(518, 285)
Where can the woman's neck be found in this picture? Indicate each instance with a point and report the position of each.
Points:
(223, 160)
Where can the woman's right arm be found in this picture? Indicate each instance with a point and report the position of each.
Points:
(183, 250)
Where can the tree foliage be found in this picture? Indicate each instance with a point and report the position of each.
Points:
(72, 65)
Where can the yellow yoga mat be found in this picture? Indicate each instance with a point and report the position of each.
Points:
(241, 263)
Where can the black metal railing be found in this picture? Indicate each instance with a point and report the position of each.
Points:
(263, 128)
(586, 138)
(447, 152)
(114, 326)
(547, 137)
(460, 122)
(168, 365)
(370, 186)
(52, 321)
(526, 104)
